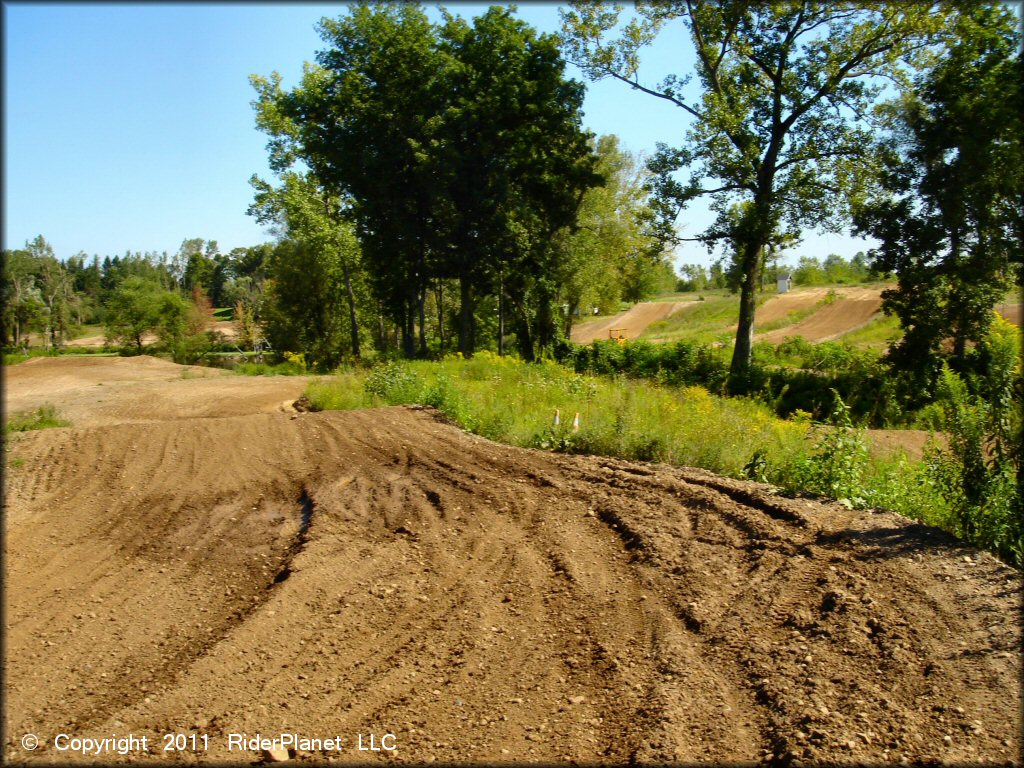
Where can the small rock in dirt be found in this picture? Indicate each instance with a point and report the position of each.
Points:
(577, 699)
(275, 755)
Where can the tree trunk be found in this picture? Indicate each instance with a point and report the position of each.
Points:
(422, 302)
(501, 314)
(465, 316)
(545, 332)
(570, 314)
(408, 334)
(743, 351)
(351, 311)
(440, 315)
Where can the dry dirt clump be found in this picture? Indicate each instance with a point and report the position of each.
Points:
(380, 572)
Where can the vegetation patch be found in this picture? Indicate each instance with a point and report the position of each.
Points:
(43, 417)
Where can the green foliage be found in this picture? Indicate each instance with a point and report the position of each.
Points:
(43, 417)
(422, 129)
(343, 392)
(779, 136)
(837, 464)
(286, 368)
(978, 474)
(610, 255)
(948, 213)
(515, 402)
(135, 308)
(316, 291)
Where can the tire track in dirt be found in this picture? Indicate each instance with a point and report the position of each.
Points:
(381, 571)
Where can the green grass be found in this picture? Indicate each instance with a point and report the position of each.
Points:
(89, 329)
(704, 322)
(879, 333)
(268, 369)
(515, 402)
(43, 417)
(791, 318)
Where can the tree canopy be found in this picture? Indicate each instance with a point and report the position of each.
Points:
(460, 148)
(778, 132)
(949, 211)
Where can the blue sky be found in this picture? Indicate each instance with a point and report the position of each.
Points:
(129, 127)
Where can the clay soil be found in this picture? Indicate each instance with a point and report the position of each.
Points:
(193, 557)
(633, 322)
(855, 308)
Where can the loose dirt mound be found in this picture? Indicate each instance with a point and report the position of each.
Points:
(634, 321)
(854, 308)
(374, 572)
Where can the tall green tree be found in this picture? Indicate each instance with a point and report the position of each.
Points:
(359, 119)
(515, 166)
(133, 310)
(949, 216)
(459, 147)
(318, 293)
(610, 254)
(22, 300)
(777, 121)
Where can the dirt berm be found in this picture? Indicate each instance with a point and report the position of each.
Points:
(380, 572)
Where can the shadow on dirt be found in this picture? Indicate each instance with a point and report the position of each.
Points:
(891, 542)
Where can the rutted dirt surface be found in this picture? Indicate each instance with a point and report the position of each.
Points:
(853, 308)
(376, 572)
(632, 322)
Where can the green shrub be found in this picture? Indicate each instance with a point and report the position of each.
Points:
(43, 417)
(837, 465)
(977, 474)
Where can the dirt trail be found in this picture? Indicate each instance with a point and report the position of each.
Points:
(634, 321)
(375, 572)
(854, 308)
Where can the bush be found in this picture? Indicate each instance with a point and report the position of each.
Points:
(977, 474)
(836, 467)
(43, 417)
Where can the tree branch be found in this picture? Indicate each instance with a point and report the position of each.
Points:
(651, 92)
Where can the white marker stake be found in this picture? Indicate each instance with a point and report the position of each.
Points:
(557, 419)
(576, 423)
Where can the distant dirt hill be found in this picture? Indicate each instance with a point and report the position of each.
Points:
(634, 321)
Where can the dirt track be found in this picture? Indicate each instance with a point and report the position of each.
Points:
(632, 322)
(854, 308)
(382, 572)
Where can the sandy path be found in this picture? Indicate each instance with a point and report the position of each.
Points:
(635, 320)
(381, 572)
